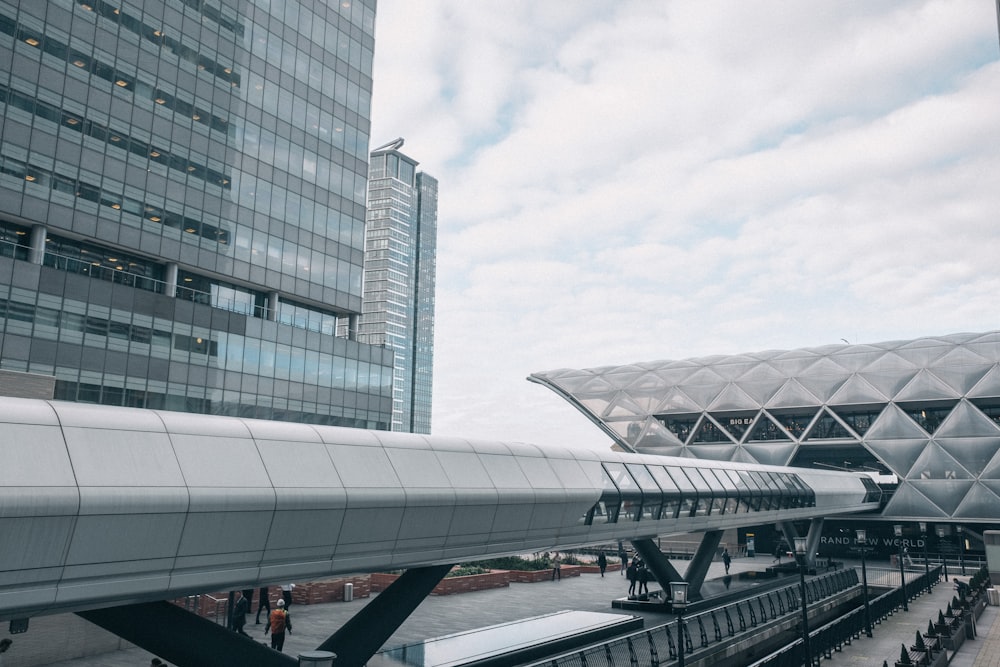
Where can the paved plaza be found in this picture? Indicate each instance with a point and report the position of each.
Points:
(442, 615)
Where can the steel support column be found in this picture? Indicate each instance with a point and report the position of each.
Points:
(661, 567)
(665, 572)
(182, 638)
(362, 636)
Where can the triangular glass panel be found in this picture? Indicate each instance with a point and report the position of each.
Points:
(733, 398)
(898, 454)
(935, 463)
(928, 415)
(992, 469)
(595, 386)
(767, 430)
(654, 434)
(889, 362)
(704, 376)
(827, 427)
(761, 390)
(973, 453)
(994, 486)
(773, 454)
(979, 503)
(844, 455)
(990, 407)
(893, 424)
(713, 452)
(736, 423)
(623, 406)
(677, 401)
(985, 346)
(967, 420)
(795, 422)
(647, 391)
(857, 390)
(858, 417)
(659, 450)
(624, 376)
(709, 431)
(794, 365)
(702, 395)
(823, 378)
(925, 386)
(889, 381)
(792, 395)
(924, 351)
(743, 456)
(908, 502)
(734, 367)
(595, 406)
(961, 369)
(945, 493)
(855, 357)
(682, 425)
(989, 386)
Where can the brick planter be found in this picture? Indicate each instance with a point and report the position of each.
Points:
(449, 585)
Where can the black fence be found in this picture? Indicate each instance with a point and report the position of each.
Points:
(658, 646)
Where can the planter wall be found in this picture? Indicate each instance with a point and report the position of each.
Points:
(450, 585)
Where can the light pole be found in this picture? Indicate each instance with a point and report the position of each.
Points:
(800, 555)
(944, 556)
(927, 567)
(898, 528)
(678, 602)
(863, 548)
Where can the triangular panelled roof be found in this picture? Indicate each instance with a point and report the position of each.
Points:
(926, 410)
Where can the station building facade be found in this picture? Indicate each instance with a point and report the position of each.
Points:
(923, 416)
(182, 205)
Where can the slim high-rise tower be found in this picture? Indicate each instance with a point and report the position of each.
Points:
(182, 205)
(400, 274)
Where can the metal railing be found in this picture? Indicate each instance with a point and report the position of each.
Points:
(206, 606)
(823, 641)
(658, 645)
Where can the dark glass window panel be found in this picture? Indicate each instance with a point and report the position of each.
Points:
(707, 431)
(766, 430)
(989, 407)
(736, 423)
(860, 419)
(828, 428)
(670, 492)
(929, 416)
(708, 503)
(795, 422)
(680, 425)
(766, 492)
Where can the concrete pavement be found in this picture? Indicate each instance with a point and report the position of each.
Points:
(442, 615)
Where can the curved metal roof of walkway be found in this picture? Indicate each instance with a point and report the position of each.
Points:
(106, 505)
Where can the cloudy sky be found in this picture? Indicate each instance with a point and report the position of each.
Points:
(640, 180)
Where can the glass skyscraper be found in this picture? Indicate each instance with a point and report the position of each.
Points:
(182, 205)
(400, 274)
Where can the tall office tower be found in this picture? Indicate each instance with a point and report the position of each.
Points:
(182, 204)
(400, 274)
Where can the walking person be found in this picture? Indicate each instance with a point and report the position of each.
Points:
(279, 623)
(556, 567)
(602, 562)
(622, 559)
(286, 594)
(726, 559)
(264, 603)
(632, 574)
(643, 576)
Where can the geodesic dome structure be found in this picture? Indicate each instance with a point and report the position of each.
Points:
(925, 410)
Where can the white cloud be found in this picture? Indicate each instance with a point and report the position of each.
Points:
(642, 181)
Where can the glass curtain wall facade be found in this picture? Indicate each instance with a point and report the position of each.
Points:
(400, 274)
(182, 204)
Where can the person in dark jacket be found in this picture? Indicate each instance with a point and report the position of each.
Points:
(265, 603)
(602, 562)
(632, 574)
(240, 610)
